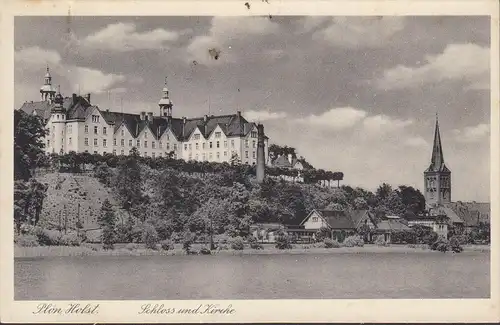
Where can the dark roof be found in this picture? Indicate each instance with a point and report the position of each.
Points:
(78, 107)
(472, 213)
(357, 215)
(391, 225)
(283, 162)
(337, 219)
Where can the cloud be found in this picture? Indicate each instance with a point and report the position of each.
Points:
(124, 37)
(472, 134)
(468, 62)
(383, 123)
(335, 118)
(264, 115)
(357, 32)
(416, 142)
(36, 57)
(223, 33)
(86, 80)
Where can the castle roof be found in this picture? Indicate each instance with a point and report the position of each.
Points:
(77, 107)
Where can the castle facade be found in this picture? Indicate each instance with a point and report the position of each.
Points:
(74, 124)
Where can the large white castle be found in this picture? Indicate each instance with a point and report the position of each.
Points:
(74, 124)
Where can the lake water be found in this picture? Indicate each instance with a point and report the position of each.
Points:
(358, 276)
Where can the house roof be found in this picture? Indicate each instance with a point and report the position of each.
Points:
(472, 213)
(335, 219)
(283, 162)
(392, 225)
(78, 107)
(357, 216)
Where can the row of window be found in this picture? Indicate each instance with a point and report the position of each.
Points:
(217, 155)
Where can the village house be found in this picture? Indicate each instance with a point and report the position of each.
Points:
(289, 162)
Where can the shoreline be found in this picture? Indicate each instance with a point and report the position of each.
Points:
(83, 251)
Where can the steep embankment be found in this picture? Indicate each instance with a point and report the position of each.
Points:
(71, 197)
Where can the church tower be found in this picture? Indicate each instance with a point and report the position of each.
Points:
(437, 177)
(58, 123)
(47, 91)
(165, 102)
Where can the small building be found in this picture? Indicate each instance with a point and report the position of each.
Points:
(340, 223)
(288, 162)
(389, 226)
(265, 232)
(438, 223)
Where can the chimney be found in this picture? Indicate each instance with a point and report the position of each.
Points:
(183, 120)
(290, 157)
(74, 98)
(239, 113)
(143, 116)
(260, 154)
(150, 116)
(205, 118)
(88, 98)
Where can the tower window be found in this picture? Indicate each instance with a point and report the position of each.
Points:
(57, 116)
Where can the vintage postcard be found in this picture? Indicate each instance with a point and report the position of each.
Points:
(260, 161)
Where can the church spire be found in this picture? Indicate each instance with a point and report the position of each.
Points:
(165, 103)
(437, 159)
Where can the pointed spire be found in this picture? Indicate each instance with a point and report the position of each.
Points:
(437, 150)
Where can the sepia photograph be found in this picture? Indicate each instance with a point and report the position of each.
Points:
(257, 157)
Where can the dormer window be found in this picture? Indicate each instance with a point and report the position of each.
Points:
(145, 134)
(95, 118)
(253, 134)
(217, 134)
(57, 116)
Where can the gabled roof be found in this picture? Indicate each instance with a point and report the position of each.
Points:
(472, 213)
(283, 162)
(78, 107)
(391, 225)
(335, 219)
(357, 216)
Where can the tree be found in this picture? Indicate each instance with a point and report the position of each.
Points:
(360, 204)
(28, 202)
(107, 221)
(29, 133)
(412, 199)
(383, 191)
(235, 160)
(129, 180)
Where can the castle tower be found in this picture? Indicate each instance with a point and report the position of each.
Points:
(437, 177)
(46, 91)
(58, 121)
(165, 102)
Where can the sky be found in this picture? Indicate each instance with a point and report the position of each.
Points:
(358, 95)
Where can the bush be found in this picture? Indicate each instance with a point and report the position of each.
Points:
(254, 243)
(352, 241)
(455, 243)
(167, 244)
(131, 246)
(282, 240)
(380, 241)
(205, 251)
(48, 237)
(441, 244)
(108, 237)
(150, 237)
(27, 240)
(70, 239)
(329, 243)
(321, 234)
(237, 243)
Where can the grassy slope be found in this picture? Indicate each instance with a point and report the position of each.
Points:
(74, 189)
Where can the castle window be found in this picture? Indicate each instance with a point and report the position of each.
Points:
(138, 143)
(246, 154)
(190, 147)
(168, 146)
(123, 133)
(69, 141)
(190, 156)
(218, 155)
(86, 141)
(253, 144)
(122, 152)
(203, 145)
(175, 147)
(246, 143)
(218, 144)
(197, 146)
(204, 157)
(104, 143)
(225, 144)
(196, 137)
(114, 152)
(161, 144)
(145, 144)
(253, 154)
(225, 153)
(145, 134)
(48, 143)
(253, 134)
(217, 134)
(57, 117)
(114, 142)
(122, 142)
(153, 144)
(210, 144)
(70, 129)
(232, 143)
(104, 130)
(153, 155)
(95, 142)
(185, 146)
(95, 118)
(95, 130)
(210, 156)
(86, 129)
(130, 143)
